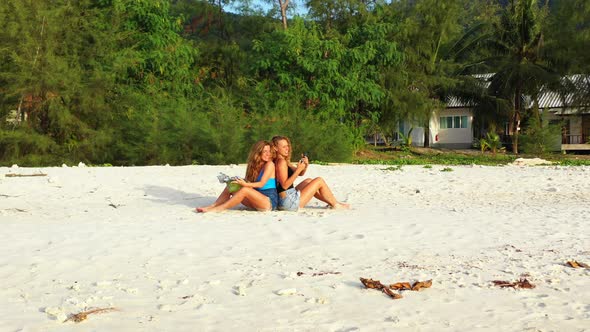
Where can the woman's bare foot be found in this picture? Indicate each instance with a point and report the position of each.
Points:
(209, 209)
(204, 209)
(341, 206)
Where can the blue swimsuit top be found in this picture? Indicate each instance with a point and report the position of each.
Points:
(270, 184)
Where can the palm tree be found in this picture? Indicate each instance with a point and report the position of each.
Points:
(518, 61)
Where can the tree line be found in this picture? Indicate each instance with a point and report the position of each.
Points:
(141, 82)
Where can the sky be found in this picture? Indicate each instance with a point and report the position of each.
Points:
(265, 6)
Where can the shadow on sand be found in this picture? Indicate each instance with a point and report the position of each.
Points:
(170, 196)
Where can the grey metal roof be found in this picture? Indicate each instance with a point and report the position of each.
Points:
(484, 80)
(547, 98)
(552, 99)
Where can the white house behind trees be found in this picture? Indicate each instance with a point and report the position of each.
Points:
(452, 127)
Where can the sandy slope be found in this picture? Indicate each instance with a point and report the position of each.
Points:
(128, 238)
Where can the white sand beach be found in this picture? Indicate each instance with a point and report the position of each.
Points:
(82, 238)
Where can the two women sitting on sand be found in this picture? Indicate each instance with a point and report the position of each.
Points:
(269, 183)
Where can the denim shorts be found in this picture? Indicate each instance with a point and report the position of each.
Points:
(272, 196)
(291, 201)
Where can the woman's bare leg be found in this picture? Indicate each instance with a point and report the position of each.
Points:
(223, 197)
(253, 198)
(318, 185)
(304, 184)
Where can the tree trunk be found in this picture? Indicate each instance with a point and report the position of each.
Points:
(427, 136)
(516, 131)
(516, 121)
(283, 6)
(20, 113)
(515, 142)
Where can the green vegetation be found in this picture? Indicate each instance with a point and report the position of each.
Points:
(431, 157)
(393, 168)
(180, 82)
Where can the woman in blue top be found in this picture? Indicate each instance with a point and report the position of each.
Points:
(258, 191)
(291, 198)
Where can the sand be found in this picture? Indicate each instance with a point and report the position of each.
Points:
(82, 238)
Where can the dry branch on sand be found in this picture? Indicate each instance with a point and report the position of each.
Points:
(77, 318)
(14, 175)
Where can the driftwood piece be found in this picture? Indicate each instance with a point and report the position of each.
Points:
(521, 283)
(15, 175)
(81, 316)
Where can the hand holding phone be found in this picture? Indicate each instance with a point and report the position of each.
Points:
(304, 158)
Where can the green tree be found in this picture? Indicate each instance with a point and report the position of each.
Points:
(519, 64)
(426, 30)
(332, 77)
(54, 77)
(96, 79)
(566, 46)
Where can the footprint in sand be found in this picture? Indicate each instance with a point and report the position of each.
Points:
(356, 237)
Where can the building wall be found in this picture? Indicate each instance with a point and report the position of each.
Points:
(452, 137)
(575, 121)
(575, 125)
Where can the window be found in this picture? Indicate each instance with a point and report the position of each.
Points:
(447, 122)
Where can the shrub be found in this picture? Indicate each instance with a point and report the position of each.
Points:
(541, 137)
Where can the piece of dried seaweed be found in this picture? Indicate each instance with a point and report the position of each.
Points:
(521, 283)
(418, 285)
(401, 286)
(373, 284)
(322, 273)
(577, 265)
(391, 294)
(376, 284)
(421, 284)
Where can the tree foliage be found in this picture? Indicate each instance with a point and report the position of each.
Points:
(136, 82)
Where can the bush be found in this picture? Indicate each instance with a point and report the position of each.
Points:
(323, 139)
(540, 136)
(27, 148)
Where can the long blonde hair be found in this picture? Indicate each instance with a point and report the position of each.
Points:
(255, 161)
(275, 143)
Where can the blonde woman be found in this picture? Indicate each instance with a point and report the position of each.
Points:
(258, 191)
(292, 198)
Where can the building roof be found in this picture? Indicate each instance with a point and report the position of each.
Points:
(547, 98)
(552, 99)
(455, 102)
